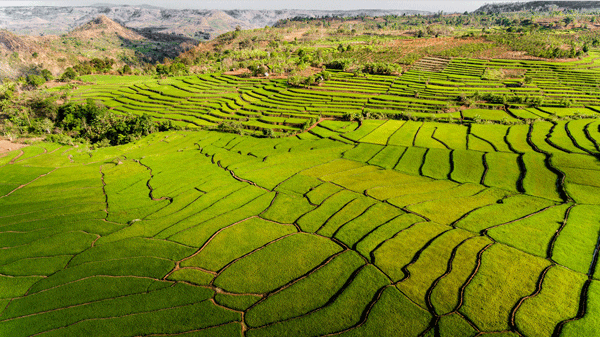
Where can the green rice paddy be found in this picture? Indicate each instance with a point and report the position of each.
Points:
(372, 228)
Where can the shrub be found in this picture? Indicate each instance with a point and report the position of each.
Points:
(491, 74)
(382, 68)
(268, 133)
(35, 80)
(341, 64)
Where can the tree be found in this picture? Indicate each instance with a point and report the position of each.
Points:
(35, 80)
(46, 74)
(126, 69)
(68, 75)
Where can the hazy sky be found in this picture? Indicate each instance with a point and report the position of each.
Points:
(433, 5)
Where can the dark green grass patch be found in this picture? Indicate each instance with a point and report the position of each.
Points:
(276, 264)
(76, 293)
(398, 251)
(236, 302)
(311, 222)
(590, 323)
(431, 264)
(60, 244)
(405, 135)
(440, 191)
(557, 301)
(347, 213)
(509, 209)
(137, 266)
(240, 239)
(411, 161)
(307, 294)
(393, 315)
(388, 157)
(456, 326)
(579, 235)
(467, 166)
(169, 320)
(354, 230)
(344, 312)
(287, 208)
(322, 192)
(494, 134)
(132, 248)
(193, 276)
(505, 276)
(16, 286)
(503, 170)
(437, 164)
(36, 266)
(238, 199)
(446, 294)
(382, 134)
(478, 144)
(366, 127)
(539, 180)
(299, 184)
(363, 152)
(197, 235)
(448, 210)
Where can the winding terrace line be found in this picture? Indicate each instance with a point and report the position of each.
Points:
(430, 307)
(560, 181)
(26, 184)
(538, 289)
(417, 255)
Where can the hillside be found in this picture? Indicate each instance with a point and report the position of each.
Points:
(102, 25)
(201, 24)
(100, 38)
(539, 6)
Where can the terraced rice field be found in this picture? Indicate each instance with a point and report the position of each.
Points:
(200, 233)
(258, 104)
(379, 228)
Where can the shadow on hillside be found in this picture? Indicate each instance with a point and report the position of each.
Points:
(158, 46)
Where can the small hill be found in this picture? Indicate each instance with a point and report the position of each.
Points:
(13, 42)
(539, 6)
(103, 26)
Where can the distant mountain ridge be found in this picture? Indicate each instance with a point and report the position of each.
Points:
(538, 6)
(199, 24)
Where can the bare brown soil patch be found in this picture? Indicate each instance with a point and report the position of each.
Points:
(7, 146)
